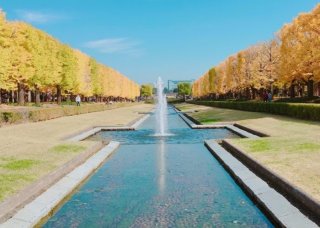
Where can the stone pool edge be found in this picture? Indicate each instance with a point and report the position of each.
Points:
(296, 197)
(244, 133)
(91, 131)
(14, 203)
(277, 207)
(33, 213)
(35, 190)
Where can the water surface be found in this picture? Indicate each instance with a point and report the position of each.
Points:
(160, 182)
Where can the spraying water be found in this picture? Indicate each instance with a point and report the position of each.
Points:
(161, 111)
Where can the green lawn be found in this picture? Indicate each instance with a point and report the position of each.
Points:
(29, 151)
(67, 148)
(18, 172)
(207, 115)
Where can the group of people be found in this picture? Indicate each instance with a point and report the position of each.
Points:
(267, 96)
(78, 101)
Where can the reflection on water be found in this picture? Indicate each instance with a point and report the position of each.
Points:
(161, 166)
(179, 136)
(160, 182)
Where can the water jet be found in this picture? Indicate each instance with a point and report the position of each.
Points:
(161, 111)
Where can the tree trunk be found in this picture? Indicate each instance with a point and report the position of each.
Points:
(284, 92)
(21, 94)
(29, 96)
(32, 97)
(310, 88)
(0, 95)
(11, 95)
(248, 95)
(292, 94)
(253, 91)
(69, 99)
(58, 94)
(37, 95)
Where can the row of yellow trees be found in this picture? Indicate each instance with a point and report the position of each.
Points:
(31, 60)
(290, 61)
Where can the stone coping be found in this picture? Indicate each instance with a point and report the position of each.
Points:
(21, 200)
(32, 214)
(294, 194)
(241, 132)
(139, 121)
(304, 202)
(280, 211)
(255, 132)
(91, 131)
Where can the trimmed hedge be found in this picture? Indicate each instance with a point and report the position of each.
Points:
(41, 114)
(299, 100)
(11, 117)
(300, 111)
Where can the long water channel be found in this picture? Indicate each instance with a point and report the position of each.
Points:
(160, 182)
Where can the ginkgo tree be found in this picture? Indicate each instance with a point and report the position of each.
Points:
(300, 50)
(33, 61)
(5, 55)
(291, 58)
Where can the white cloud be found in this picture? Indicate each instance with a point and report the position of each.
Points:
(115, 45)
(38, 17)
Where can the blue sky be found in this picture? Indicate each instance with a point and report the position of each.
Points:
(144, 39)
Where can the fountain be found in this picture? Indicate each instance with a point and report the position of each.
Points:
(168, 181)
(161, 111)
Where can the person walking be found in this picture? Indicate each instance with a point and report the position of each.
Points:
(269, 96)
(265, 96)
(78, 100)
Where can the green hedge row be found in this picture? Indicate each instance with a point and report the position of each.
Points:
(41, 114)
(301, 111)
(11, 117)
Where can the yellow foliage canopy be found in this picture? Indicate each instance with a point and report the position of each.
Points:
(39, 62)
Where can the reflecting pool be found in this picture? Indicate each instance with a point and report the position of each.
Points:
(160, 182)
